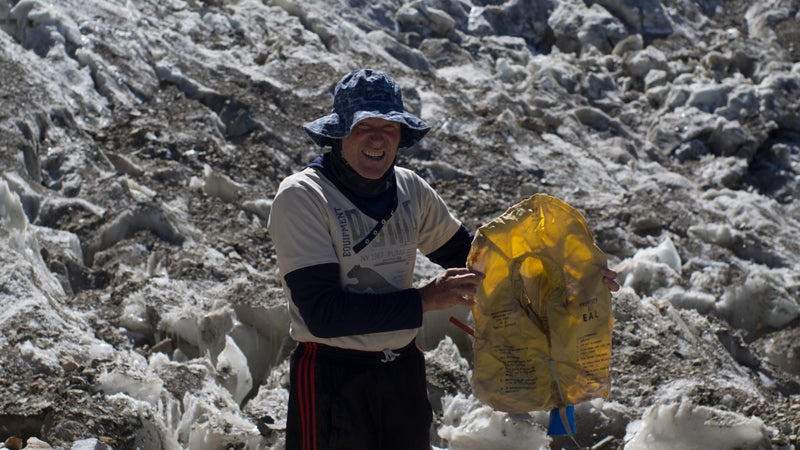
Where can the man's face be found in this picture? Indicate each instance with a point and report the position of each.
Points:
(371, 146)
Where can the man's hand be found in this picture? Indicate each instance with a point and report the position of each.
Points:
(455, 286)
(609, 279)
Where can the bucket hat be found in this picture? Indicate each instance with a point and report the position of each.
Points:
(364, 94)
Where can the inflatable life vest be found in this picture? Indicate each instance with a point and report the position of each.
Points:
(543, 317)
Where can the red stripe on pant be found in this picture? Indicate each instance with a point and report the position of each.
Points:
(307, 396)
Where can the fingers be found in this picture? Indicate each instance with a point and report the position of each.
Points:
(463, 272)
(608, 273)
(466, 286)
(612, 285)
(609, 279)
(462, 278)
(453, 287)
(458, 286)
(463, 291)
(465, 300)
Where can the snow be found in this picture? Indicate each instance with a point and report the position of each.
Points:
(683, 425)
(707, 262)
(233, 364)
(470, 425)
(467, 424)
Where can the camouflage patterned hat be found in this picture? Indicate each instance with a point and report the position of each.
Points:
(364, 94)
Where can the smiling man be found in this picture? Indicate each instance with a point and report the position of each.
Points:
(346, 231)
(371, 147)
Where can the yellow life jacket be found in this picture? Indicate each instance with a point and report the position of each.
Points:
(543, 317)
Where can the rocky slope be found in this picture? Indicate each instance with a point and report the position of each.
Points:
(145, 140)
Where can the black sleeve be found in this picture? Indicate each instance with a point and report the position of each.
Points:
(329, 312)
(455, 251)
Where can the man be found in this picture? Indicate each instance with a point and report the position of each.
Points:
(346, 231)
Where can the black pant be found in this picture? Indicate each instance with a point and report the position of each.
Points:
(350, 400)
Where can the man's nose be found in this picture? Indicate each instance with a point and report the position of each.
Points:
(376, 136)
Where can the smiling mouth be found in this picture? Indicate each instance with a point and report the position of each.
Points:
(374, 155)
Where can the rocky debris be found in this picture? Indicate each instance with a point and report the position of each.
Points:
(144, 144)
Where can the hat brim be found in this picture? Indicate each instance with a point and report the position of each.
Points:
(325, 130)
